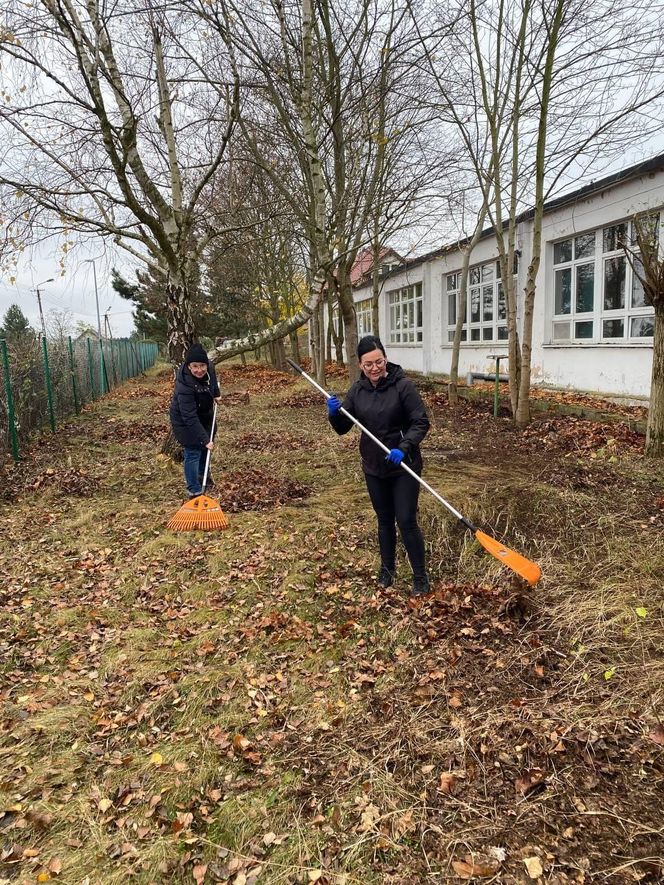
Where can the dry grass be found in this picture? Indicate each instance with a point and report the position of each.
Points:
(249, 702)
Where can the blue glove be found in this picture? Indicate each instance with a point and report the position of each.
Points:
(395, 456)
(333, 405)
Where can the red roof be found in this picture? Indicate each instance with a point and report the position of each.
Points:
(363, 265)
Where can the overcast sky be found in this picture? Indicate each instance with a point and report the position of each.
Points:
(74, 292)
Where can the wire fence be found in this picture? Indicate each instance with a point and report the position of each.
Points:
(45, 381)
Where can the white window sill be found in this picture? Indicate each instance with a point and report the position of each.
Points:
(647, 342)
(502, 342)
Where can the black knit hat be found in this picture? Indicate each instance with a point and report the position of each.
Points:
(196, 354)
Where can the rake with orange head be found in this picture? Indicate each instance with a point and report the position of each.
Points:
(201, 513)
(521, 566)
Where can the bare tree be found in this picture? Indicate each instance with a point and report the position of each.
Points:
(645, 254)
(538, 94)
(108, 130)
(323, 91)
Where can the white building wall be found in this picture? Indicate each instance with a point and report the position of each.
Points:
(622, 368)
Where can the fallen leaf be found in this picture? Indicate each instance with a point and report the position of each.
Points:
(530, 782)
(463, 869)
(156, 759)
(315, 875)
(199, 872)
(533, 866)
(447, 783)
(641, 612)
(471, 868)
(657, 734)
(55, 866)
(240, 743)
(369, 816)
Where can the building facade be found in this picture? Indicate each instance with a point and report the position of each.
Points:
(592, 329)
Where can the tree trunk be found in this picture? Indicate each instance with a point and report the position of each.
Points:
(339, 346)
(320, 376)
(350, 325)
(329, 331)
(655, 427)
(279, 355)
(522, 415)
(295, 347)
(314, 353)
(452, 390)
(180, 321)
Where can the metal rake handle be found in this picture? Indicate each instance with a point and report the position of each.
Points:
(209, 451)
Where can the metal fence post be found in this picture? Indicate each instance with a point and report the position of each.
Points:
(49, 387)
(103, 378)
(10, 401)
(90, 369)
(114, 373)
(72, 372)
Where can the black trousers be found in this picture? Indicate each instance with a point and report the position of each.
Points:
(394, 499)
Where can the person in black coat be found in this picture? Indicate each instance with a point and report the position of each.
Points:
(196, 391)
(389, 405)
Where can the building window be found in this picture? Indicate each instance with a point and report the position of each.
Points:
(596, 295)
(363, 312)
(486, 314)
(406, 315)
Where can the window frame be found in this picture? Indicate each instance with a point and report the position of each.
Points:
(405, 313)
(482, 279)
(606, 255)
(364, 317)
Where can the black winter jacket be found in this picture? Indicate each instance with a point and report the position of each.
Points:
(394, 412)
(192, 406)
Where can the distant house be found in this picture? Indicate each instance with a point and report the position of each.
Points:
(592, 329)
(361, 280)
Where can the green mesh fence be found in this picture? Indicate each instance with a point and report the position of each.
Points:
(46, 381)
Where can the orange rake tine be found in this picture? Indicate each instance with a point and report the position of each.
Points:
(523, 567)
(199, 514)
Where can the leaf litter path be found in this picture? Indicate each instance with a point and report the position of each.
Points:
(248, 707)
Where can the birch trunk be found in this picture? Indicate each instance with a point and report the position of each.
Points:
(452, 390)
(180, 321)
(655, 427)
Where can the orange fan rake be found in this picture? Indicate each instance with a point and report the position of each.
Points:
(201, 513)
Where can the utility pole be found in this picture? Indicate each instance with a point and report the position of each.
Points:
(94, 275)
(41, 312)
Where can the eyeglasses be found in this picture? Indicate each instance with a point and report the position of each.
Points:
(377, 363)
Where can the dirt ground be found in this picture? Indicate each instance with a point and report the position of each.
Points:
(248, 707)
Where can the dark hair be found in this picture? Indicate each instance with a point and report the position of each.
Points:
(369, 343)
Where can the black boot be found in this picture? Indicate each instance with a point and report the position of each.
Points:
(385, 576)
(421, 585)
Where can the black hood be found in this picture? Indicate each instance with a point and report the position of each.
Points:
(394, 374)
